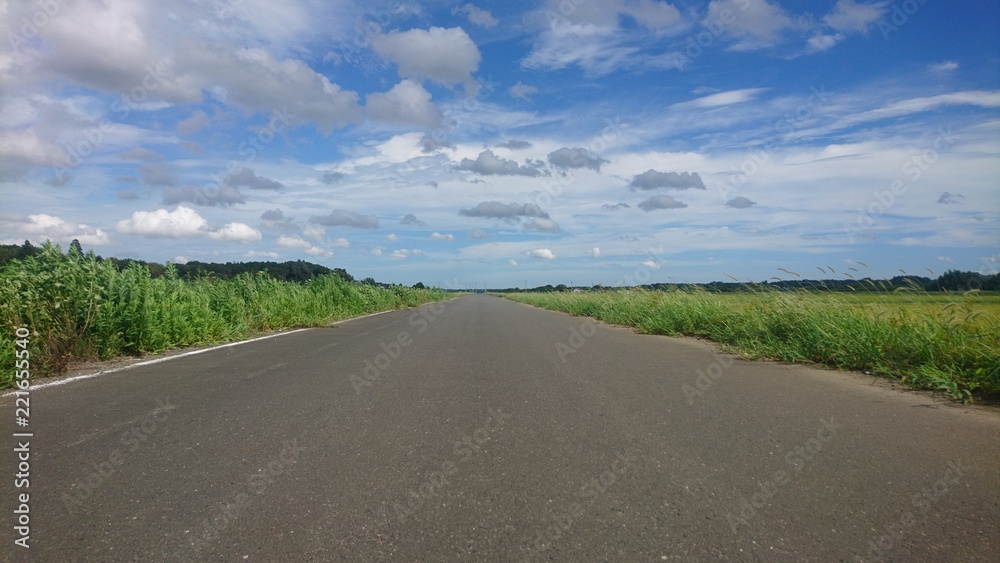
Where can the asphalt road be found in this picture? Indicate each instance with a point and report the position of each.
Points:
(487, 430)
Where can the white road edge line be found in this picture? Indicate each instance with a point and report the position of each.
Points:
(185, 354)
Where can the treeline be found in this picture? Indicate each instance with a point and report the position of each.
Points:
(297, 271)
(952, 280)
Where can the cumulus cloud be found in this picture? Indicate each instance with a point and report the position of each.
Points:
(298, 243)
(651, 180)
(411, 219)
(235, 232)
(497, 210)
(542, 224)
(247, 178)
(275, 219)
(479, 234)
(595, 252)
(446, 56)
(661, 202)
(512, 262)
(430, 144)
(344, 218)
(407, 103)
(575, 158)
(476, 15)
(221, 196)
(41, 227)
(740, 202)
(183, 222)
(489, 164)
(543, 253)
(439, 236)
(293, 241)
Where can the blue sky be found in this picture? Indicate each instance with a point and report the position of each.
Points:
(570, 141)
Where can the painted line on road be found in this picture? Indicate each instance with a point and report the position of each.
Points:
(184, 355)
(156, 361)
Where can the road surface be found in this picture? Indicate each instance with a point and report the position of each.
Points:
(486, 430)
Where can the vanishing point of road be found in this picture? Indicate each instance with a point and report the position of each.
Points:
(484, 430)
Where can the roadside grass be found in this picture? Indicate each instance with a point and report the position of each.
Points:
(77, 307)
(947, 342)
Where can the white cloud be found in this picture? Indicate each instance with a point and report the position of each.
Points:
(408, 103)
(720, 99)
(181, 223)
(439, 236)
(476, 15)
(943, 67)
(543, 253)
(822, 42)
(512, 262)
(293, 241)
(40, 227)
(392, 236)
(446, 56)
(235, 232)
(340, 243)
(651, 264)
(522, 91)
(595, 252)
(848, 15)
(755, 24)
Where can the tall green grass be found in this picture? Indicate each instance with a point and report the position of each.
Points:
(948, 343)
(78, 307)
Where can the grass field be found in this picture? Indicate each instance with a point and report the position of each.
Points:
(949, 343)
(76, 307)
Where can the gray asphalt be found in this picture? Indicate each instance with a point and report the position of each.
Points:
(493, 431)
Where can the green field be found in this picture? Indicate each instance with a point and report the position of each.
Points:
(79, 307)
(949, 343)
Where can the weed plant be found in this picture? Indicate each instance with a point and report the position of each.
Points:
(79, 307)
